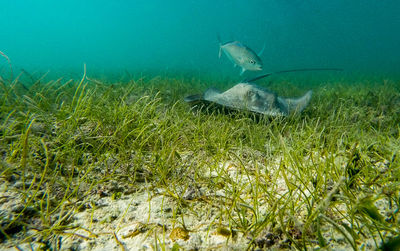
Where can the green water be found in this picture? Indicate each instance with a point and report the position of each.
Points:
(158, 36)
(95, 136)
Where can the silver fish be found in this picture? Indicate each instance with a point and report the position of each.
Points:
(250, 97)
(242, 56)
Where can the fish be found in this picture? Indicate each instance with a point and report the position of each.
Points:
(241, 55)
(251, 97)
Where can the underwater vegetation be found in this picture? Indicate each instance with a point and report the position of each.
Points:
(91, 164)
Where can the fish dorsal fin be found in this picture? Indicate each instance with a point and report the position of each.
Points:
(262, 50)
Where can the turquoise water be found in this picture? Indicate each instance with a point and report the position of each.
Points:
(171, 36)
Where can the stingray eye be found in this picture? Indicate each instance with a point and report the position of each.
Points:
(252, 62)
(249, 94)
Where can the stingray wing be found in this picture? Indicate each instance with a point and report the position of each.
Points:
(295, 105)
(210, 94)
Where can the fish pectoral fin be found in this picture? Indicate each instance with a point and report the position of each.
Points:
(262, 50)
(242, 71)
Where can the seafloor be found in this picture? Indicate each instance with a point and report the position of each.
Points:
(95, 164)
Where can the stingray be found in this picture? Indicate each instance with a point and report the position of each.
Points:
(250, 97)
(247, 96)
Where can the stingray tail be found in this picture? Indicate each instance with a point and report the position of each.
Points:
(288, 71)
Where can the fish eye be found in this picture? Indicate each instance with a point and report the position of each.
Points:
(252, 62)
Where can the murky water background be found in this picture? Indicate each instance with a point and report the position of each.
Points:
(360, 36)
